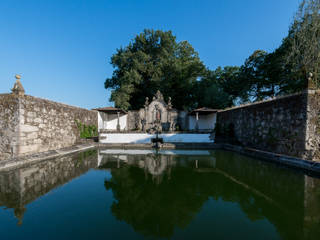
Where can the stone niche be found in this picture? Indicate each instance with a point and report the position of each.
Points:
(158, 115)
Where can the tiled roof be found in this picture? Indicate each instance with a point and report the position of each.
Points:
(204, 110)
(110, 110)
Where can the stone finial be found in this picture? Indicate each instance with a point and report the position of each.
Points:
(311, 84)
(17, 87)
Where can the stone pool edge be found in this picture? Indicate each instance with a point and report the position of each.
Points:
(19, 161)
(293, 162)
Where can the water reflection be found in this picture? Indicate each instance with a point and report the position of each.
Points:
(161, 193)
(156, 194)
(18, 187)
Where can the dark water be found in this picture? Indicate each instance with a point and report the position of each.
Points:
(114, 194)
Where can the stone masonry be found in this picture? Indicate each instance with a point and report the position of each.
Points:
(31, 125)
(313, 125)
(9, 119)
(288, 125)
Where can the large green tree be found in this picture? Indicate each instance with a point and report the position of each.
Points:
(153, 61)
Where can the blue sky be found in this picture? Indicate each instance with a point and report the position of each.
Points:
(62, 48)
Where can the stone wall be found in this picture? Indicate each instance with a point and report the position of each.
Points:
(133, 121)
(30, 125)
(9, 117)
(313, 125)
(278, 125)
(47, 125)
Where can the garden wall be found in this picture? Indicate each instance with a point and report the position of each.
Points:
(9, 117)
(313, 125)
(39, 125)
(285, 125)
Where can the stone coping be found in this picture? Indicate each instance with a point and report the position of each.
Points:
(309, 167)
(23, 160)
(165, 146)
(137, 132)
(54, 102)
(271, 99)
(266, 100)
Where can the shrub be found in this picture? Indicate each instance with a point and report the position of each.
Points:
(87, 131)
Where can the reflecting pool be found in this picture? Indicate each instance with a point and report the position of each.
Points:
(143, 194)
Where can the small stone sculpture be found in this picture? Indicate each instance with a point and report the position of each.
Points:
(146, 104)
(169, 103)
(159, 95)
(17, 87)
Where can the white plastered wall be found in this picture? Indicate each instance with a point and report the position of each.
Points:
(142, 138)
(205, 122)
(109, 121)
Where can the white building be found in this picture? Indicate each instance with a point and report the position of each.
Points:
(112, 119)
(202, 119)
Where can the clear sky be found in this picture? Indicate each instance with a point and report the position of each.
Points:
(62, 48)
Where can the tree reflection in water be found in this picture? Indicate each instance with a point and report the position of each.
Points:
(156, 194)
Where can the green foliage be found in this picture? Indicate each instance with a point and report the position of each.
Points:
(304, 38)
(215, 90)
(87, 131)
(154, 60)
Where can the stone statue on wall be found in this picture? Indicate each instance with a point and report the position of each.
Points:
(158, 113)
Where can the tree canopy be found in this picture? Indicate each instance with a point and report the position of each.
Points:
(153, 61)
(304, 37)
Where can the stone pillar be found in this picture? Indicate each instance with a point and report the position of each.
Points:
(118, 122)
(197, 121)
(311, 83)
(145, 120)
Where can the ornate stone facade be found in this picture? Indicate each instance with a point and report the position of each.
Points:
(158, 115)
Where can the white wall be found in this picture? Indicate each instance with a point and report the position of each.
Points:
(153, 151)
(146, 138)
(100, 120)
(205, 122)
(109, 121)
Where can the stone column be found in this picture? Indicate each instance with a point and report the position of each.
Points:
(118, 123)
(197, 121)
